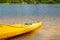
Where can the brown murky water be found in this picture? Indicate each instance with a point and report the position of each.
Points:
(50, 31)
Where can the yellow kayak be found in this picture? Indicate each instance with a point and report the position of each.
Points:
(16, 29)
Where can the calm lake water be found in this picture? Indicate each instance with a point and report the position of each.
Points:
(49, 14)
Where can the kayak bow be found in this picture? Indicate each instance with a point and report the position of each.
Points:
(17, 29)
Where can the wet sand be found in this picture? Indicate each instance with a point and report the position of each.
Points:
(50, 30)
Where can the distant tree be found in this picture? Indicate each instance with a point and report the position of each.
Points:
(38, 1)
(30, 1)
(57, 1)
(3, 1)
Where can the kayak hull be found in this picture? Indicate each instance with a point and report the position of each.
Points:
(13, 31)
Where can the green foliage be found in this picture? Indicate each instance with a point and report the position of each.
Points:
(31, 1)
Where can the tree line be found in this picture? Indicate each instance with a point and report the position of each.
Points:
(31, 1)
